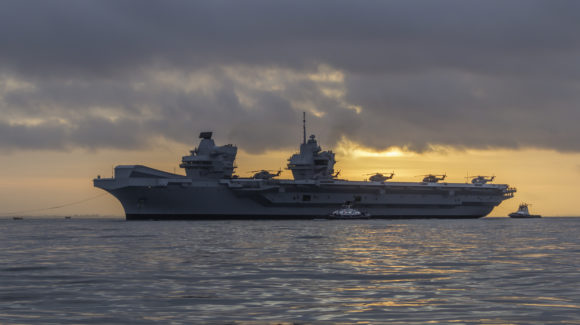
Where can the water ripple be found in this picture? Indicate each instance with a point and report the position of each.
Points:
(493, 271)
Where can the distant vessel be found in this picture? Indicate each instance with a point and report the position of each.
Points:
(347, 212)
(17, 218)
(210, 190)
(523, 212)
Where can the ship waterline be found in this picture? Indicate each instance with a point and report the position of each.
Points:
(210, 190)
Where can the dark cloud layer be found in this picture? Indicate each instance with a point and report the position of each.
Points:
(117, 73)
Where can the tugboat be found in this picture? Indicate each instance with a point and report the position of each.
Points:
(348, 212)
(523, 212)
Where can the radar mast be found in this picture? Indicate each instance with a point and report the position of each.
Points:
(304, 127)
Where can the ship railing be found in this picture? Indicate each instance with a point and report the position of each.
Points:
(509, 192)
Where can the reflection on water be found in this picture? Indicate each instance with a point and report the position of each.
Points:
(489, 271)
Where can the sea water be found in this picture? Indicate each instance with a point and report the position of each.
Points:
(483, 271)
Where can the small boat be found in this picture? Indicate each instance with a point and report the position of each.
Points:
(348, 212)
(523, 212)
(68, 217)
(17, 218)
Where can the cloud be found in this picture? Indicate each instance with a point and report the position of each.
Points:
(119, 74)
(255, 108)
(110, 37)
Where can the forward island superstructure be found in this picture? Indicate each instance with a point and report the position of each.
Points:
(210, 190)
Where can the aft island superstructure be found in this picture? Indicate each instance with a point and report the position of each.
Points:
(210, 190)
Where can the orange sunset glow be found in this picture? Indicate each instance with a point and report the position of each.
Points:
(437, 95)
(546, 178)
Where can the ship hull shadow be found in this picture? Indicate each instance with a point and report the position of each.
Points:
(162, 217)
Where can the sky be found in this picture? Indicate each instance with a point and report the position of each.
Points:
(415, 87)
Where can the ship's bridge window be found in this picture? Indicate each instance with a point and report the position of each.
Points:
(306, 197)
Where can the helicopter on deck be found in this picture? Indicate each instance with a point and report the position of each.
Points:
(380, 177)
(480, 180)
(265, 174)
(433, 178)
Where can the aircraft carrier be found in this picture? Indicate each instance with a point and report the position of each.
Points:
(210, 190)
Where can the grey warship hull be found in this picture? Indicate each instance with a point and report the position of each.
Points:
(148, 194)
